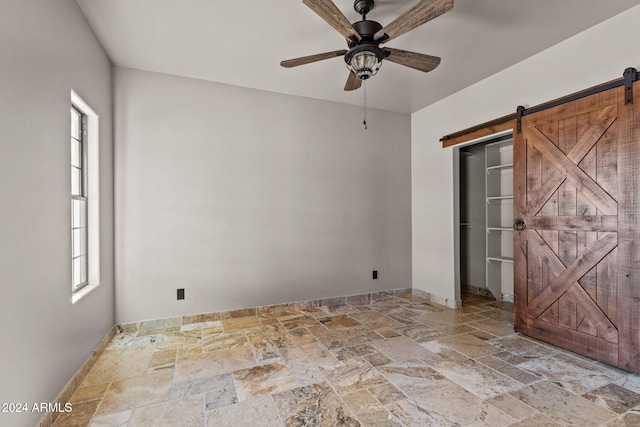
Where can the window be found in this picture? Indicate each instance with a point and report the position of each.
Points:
(79, 202)
(85, 221)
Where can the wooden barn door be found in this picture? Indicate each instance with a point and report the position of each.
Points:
(577, 252)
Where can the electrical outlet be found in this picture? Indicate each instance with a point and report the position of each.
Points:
(375, 274)
(181, 293)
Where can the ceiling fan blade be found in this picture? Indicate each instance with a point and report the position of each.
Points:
(312, 58)
(328, 11)
(415, 60)
(423, 12)
(353, 82)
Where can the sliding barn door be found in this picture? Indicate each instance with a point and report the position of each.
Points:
(577, 252)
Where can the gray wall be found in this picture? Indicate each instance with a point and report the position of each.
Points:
(46, 50)
(246, 197)
(473, 251)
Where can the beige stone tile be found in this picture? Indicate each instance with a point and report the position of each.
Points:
(185, 352)
(202, 385)
(313, 405)
(353, 351)
(422, 333)
(457, 405)
(116, 419)
(159, 326)
(129, 393)
(200, 318)
(162, 360)
(117, 364)
(131, 342)
(571, 373)
(86, 393)
(494, 327)
(219, 398)
(509, 370)
(537, 420)
(308, 376)
(178, 339)
(262, 380)
(630, 419)
(401, 348)
(387, 333)
(240, 312)
(360, 299)
(482, 335)
(299, 322)
(306, 356)
(377, 359)
(344, 337)
(512, 407)
(368, 410)
(459, 329)
(375, 320)
(510, 358)
(476, 378)
(80, 415)
(614, 397)
(206, 328)
(352, 375)
(235, 323)
(185, 412)
(447, 317)
(268, 339)
(386, 393)
(563, 406)
(408, 412)
(499, 315)
(126, 328)
(335, 322)
(278, 311)
(630, 382)
(522, 347)
(502, 305)
(413, 378)
(474, 316)
(263, 347)
(224, 341)
(300, 336)
(449, 406)
(254, 412)
(210, 364)
(469, 345)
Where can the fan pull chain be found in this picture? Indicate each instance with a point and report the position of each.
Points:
(364, 121)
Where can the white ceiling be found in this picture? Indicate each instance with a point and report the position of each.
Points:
(241, 42)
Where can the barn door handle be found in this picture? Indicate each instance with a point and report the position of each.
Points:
(519, 224)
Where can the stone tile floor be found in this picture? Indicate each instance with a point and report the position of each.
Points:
(398, 361)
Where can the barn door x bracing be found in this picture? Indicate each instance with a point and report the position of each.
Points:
(576, 175)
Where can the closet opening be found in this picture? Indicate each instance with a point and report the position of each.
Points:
(484, 196)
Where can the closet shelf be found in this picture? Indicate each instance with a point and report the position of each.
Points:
(500, 258)
(505, 167)
(499, 217)
(499, 198)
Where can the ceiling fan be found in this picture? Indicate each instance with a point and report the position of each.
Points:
(364, 56)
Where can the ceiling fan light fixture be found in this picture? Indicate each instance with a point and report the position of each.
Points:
(365, 64)
(364, 60)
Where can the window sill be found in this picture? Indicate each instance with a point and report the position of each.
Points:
(77, 296)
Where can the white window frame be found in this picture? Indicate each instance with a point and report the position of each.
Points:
(91, 189)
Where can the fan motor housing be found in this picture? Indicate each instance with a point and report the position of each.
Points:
(363, 6)
(366, 29)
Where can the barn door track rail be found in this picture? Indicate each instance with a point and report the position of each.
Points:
(629, 76)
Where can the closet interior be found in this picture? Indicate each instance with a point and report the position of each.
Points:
(486, 217)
